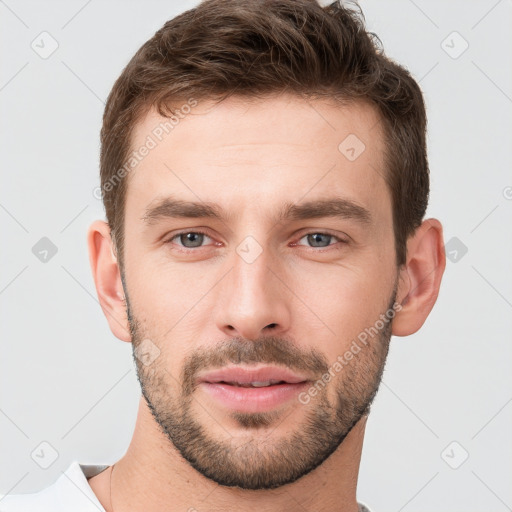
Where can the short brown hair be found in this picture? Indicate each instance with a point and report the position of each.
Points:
(256, 48)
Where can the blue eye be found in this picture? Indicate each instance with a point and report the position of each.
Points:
(319, 239)
(195, 239)
(190, 239)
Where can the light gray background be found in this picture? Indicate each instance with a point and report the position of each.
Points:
(67, 381)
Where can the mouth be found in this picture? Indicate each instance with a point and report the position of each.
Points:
(252, 389)
(252, 376)
(254, 384)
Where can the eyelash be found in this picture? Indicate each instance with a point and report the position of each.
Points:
(200, 232)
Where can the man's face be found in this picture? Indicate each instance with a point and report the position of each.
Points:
(256, 290)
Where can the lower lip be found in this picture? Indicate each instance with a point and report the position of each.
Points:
(253, 399)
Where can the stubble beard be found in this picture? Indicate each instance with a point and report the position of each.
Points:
(260, 458)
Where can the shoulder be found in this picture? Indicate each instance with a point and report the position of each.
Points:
(70, 491)
(45, 500)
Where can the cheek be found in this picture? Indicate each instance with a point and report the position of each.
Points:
(339, 310)
(168, 295)
(344, 296)
(171, 306)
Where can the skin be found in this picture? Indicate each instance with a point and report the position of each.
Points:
(250, 158)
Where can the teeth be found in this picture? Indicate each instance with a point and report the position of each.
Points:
(256, 384)
(261, 384)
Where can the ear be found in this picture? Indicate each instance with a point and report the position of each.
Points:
(107, 278)
(420, 277)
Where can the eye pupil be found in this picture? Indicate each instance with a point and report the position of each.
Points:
(195, 238)
(315, 238)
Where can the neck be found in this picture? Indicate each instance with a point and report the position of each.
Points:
(152, 476)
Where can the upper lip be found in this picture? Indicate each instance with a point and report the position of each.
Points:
(246, 375)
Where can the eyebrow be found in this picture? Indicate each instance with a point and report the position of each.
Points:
(337, 207)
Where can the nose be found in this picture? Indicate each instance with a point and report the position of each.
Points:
(253, 299)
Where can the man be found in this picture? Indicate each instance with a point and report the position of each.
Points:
(265, 179)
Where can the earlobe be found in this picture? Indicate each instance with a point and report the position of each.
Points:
(107, 279)
(420, 278)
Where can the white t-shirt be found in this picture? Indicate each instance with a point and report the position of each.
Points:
(71, 492)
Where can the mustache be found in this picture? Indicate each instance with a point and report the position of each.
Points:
(269, 350)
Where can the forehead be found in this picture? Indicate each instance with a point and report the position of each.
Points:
(259, 154)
